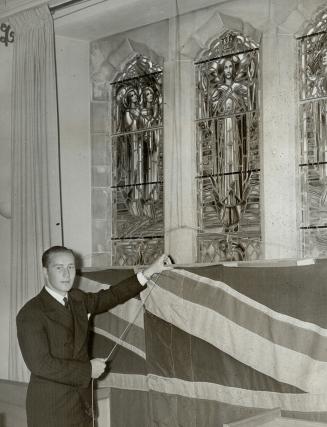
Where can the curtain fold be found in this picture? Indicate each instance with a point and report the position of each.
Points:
(36, 211)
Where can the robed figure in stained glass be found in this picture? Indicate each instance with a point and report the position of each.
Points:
(229, 101)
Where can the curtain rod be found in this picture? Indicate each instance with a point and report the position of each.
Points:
(68, 3)
(53, 9)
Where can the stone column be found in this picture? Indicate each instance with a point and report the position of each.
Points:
(179, 154)
(279, 144)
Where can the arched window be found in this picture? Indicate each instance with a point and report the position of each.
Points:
(313, 137)
(227, 124)
(137, 162)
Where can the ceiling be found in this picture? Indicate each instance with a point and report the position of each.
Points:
(93, 19)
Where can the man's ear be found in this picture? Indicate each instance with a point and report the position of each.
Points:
(45, 274)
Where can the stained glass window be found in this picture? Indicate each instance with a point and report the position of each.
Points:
(137, 158)
(227, 126)
(312, 48)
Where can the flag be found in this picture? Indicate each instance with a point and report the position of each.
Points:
(217, 344)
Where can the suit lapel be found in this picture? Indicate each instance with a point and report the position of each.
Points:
(80, 324)
(55, 311)
(76, 320)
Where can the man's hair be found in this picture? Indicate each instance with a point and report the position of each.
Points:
(54, 250)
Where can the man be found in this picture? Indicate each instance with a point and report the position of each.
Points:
(52, 332)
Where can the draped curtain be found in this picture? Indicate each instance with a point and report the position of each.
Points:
(36, 217)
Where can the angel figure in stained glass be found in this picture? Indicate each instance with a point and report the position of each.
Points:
(320, 84)
(229, 96)
(229, 103)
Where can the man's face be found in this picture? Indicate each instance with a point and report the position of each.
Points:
(60, 274)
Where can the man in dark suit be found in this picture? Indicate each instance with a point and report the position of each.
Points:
(52, 332)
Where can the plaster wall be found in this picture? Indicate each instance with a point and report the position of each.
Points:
(5, 197)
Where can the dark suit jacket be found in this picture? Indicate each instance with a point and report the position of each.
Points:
(53, 341)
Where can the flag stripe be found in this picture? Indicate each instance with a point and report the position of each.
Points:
(284, 330)
(298, 291)
(175, 353)
(116, 326)
(305, 403)
(126, 382)
(119, 341)
(236, 396)
(167, 282)
(123, 360)
(285, 365)
(130, 311)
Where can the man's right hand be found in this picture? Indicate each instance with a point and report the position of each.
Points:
(98, 367)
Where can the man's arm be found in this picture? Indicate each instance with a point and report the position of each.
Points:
(125, 290)
(34, 346)
(105, 300)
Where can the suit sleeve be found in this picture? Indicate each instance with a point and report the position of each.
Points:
(33, 342)
(118, 294)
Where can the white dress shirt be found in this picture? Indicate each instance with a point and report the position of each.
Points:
(141, 278)
(56, 295)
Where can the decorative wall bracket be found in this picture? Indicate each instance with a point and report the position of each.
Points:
(9, 34)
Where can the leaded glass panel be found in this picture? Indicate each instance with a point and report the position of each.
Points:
(137, 210)
(229, 43)
(227, 129)
(137, 104)
(313, 115)
(314, 195)
(313, 138)
(216, 247)
(313, 60)
(137, 156)
(314, 242)
(137, 251)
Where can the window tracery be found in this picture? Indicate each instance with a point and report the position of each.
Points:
(137, 151)
(312, 50)
(228, 150)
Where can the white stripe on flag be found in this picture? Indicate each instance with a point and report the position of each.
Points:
(128, 311)
(303, 402)
(119, 341)
(125, 382)
(243, 298)
(283, 364)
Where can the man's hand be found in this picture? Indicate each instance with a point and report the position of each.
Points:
(98, 367)
(162, 263)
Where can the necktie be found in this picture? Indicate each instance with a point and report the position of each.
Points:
(67, 306)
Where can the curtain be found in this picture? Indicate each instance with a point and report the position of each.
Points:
(36, 218)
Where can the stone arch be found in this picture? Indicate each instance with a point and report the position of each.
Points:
(105, 69)
(218, 24)
(298, 22)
